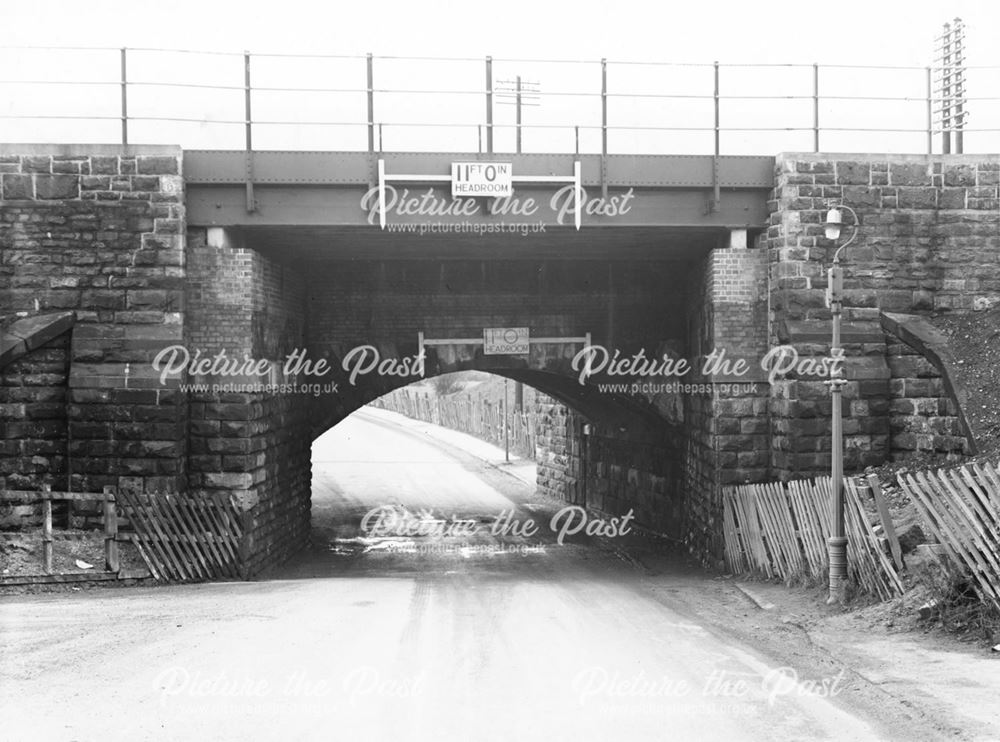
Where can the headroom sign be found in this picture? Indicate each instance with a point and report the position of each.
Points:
(499, 341)
(493, 179)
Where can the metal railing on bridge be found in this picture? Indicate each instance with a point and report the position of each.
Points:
(248, 101)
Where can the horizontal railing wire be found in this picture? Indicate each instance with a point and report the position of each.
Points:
(935, 115)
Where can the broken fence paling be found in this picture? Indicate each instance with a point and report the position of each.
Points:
(961, 508)
(782, 530)
(185, 537)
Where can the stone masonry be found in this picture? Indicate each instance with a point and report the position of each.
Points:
(928, 241)
(99, 231)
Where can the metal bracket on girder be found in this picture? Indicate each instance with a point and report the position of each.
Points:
(576, 180)
(248, 174)
(715, 200)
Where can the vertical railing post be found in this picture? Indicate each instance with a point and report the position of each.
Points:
(110, 530)
(489, 105)
(815, 107)
(517, 115)
(716, 196)
(930, 112)
(604, 128)
(124, 85)
(371, 102)
(248, 157)
(47, 527)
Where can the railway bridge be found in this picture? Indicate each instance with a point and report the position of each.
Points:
(192, 320)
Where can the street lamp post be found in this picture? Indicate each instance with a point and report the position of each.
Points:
(837, 543)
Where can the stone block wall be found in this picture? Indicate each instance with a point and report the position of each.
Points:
(929, 237)
(559, 449)
(34, 450)
(801, 406)
(638, 471)
(923, 417)
(99, 231)
(928, 241)
(607, 470)
(926, 415)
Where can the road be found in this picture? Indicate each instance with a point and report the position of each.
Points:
(466, 635)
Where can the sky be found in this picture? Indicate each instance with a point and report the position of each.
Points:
(876, 32)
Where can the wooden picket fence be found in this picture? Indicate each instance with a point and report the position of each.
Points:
(185, 537)
(961, 508)
(781, 530)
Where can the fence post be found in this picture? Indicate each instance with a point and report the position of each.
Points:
(124, 84)
(110, 530)
(246, 545)
(47, 527)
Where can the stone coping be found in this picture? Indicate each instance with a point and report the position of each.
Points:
(88, 150)
(25, 335)
(886, 157)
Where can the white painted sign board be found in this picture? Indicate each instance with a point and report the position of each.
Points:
(509, 341)
(493, 179)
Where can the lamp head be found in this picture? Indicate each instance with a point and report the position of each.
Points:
(834, 223)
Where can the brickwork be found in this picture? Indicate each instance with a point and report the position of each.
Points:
(726, 429)
(235, 292)
(219, 312)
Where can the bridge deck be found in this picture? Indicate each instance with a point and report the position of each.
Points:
(335, 189)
